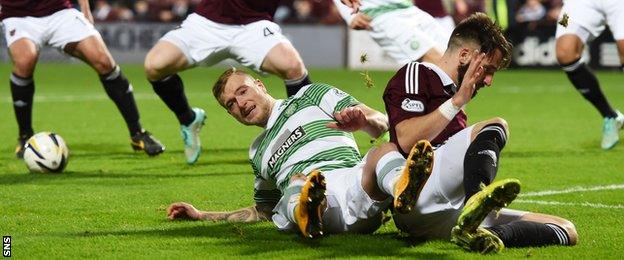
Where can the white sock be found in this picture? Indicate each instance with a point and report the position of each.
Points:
(388, 170)
(293, 192)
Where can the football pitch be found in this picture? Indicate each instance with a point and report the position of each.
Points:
(111, 201)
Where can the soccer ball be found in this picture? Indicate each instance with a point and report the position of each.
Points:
(46, 152)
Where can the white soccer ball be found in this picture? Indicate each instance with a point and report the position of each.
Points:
(46, 152)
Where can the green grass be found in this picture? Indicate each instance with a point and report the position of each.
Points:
(110, 201)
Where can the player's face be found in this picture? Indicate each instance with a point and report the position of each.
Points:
(490, 66)
(246, 100)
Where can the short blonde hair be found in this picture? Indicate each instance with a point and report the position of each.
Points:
(219, 86)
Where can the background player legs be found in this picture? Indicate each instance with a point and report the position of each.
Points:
(569, 51)
(24, 55)
(284, 61)
(162, 63)
(93, 51)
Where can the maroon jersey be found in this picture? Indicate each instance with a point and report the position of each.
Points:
(237, 11)
(433, 7)
(35, 8)
(418, 89)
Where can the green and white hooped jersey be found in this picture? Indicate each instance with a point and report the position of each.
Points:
(373, 8)
(296, 140)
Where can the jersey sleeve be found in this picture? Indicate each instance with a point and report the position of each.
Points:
(405, 95)
(266, 192)
(330, 99)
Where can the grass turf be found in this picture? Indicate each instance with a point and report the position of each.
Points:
(110, 201)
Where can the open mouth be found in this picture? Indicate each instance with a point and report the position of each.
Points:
(248, 111)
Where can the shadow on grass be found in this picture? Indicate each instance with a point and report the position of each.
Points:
(262, 238)
(20, 178)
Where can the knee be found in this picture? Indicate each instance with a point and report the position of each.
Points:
(569, 227)
(154, 69)
(294, 69)
(103, 64)
(501, 121)
(568, 51)
(24, 64)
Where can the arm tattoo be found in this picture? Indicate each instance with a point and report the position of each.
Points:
(249, 214)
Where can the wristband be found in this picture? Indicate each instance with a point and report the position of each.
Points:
(449, 110)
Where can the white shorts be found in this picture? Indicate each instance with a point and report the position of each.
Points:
(349, 208)
(407, 34)
(56, 30)
(205, 42)
(442, 198)
(587, 18)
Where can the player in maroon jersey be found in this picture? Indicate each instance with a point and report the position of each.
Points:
(425, 101)
(220, 29)
(30, 25)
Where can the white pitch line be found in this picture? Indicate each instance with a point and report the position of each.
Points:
(558, 203)
(572, 190)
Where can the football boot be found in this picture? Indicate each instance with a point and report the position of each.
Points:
(418, 168)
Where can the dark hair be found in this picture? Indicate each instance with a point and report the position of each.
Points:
(218, 87)
(482, 31)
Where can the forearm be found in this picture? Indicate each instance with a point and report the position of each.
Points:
(248, 214)
(412, 130)
(377, 124)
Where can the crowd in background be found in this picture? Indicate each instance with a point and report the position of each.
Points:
(526, 12)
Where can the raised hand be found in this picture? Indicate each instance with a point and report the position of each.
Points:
(474, 75)
(349, 119)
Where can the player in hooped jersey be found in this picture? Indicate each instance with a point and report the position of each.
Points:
(220, 29)
(403, 31)
(425, 101)
(31, 25)
(309, 133)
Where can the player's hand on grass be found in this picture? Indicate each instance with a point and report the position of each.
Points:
(349, 119)
(354, 4)
(182, 210)
(474, 75)
(360, 22)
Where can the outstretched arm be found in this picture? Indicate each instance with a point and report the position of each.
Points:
(183, 210)
(360, 117)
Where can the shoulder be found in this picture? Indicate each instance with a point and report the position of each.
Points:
(413, 78)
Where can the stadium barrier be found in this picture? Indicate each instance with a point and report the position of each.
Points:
(337, 47)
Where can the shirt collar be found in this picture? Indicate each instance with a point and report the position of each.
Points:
(277, 107)
(447, 82)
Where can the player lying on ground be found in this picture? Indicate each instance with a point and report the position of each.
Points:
(309, 133)
(425, 101)
(30, 25)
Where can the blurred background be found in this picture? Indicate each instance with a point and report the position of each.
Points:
(131, 27)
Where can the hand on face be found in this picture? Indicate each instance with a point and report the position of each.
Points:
(471, 80)
(349, 119)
